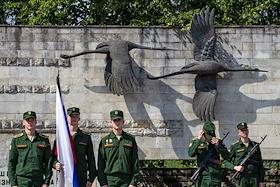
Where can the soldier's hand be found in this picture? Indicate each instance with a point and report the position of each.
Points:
(238, 168)
(88, 184)
(131, 185)
(58, 166)
(200, 134)
(215, 141)
(261, 184)
(44, 185)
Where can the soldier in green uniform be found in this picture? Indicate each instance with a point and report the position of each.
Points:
(204, 145)
(85, 166)
(252, 175)
(29, 156)
(118, 163)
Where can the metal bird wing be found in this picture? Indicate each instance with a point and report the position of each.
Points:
(203, 35)
(119, 75)
(204, 40)
(205, 97)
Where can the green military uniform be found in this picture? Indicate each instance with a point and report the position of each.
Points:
(118, 163)
(211, 175)
(29, 160)
(253, 172)
(85, 165)
(85, 157)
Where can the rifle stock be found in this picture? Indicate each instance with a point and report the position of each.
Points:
(199, 170)
(246, 159)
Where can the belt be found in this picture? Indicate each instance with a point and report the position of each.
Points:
(31, 177)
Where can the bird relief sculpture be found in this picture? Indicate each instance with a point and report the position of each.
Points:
(119, 76)
(206, 65)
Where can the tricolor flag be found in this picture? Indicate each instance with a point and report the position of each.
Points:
(64, 145)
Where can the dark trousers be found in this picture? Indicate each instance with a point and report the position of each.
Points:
(248, 182)
(208, 181)
(29, 181)
(118, 180)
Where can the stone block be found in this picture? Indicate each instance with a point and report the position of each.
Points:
(6, 124)
(37, 62)
(50, 62)
(24, 89)
(49, 124)
(248, 46)
(3, 61)
(174, 132)
(40, 89)
(23, 61)
(1, 89)
(11, 61)
(10, 89)
(16, 124)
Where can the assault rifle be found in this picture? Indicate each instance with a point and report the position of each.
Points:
(247, 158)
(204, 163)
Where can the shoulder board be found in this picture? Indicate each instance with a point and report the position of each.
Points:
(130, 135)
(44, 136)
(18, 135)
(87, 133)
(104, 136)
(235, 142)
(253, 142)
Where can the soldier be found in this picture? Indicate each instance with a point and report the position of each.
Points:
(85, 166)
(29, 156)
(204, 145)
(252, 175)
(118, 163)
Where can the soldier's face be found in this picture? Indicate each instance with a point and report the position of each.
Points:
(117, 124)
(29, 124)
(243, 133)
(73, 120)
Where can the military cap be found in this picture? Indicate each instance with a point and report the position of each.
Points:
(209, 128)
(116, 114)
(73, 111)
(242, 125)
(29, 114)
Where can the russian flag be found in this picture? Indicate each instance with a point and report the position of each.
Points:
(64, 145)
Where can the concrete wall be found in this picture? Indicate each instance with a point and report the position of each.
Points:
(160, 115)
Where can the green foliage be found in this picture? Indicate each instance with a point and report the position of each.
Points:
(172, 13)
(153, 164)
(271, 164)
(2, 12)
(181, 164)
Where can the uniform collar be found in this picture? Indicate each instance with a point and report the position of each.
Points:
(241, 143)
(79, 131)
(26, 137)
(112, 134)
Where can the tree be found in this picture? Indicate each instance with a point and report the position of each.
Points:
(138, 12)
(2, 13)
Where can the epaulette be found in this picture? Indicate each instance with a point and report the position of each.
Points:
(87, 133)
(235, 143)
(104, 136)
(44, 136)
(18, 135)
(130, 135)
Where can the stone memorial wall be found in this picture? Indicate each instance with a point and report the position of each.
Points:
(159, 114)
